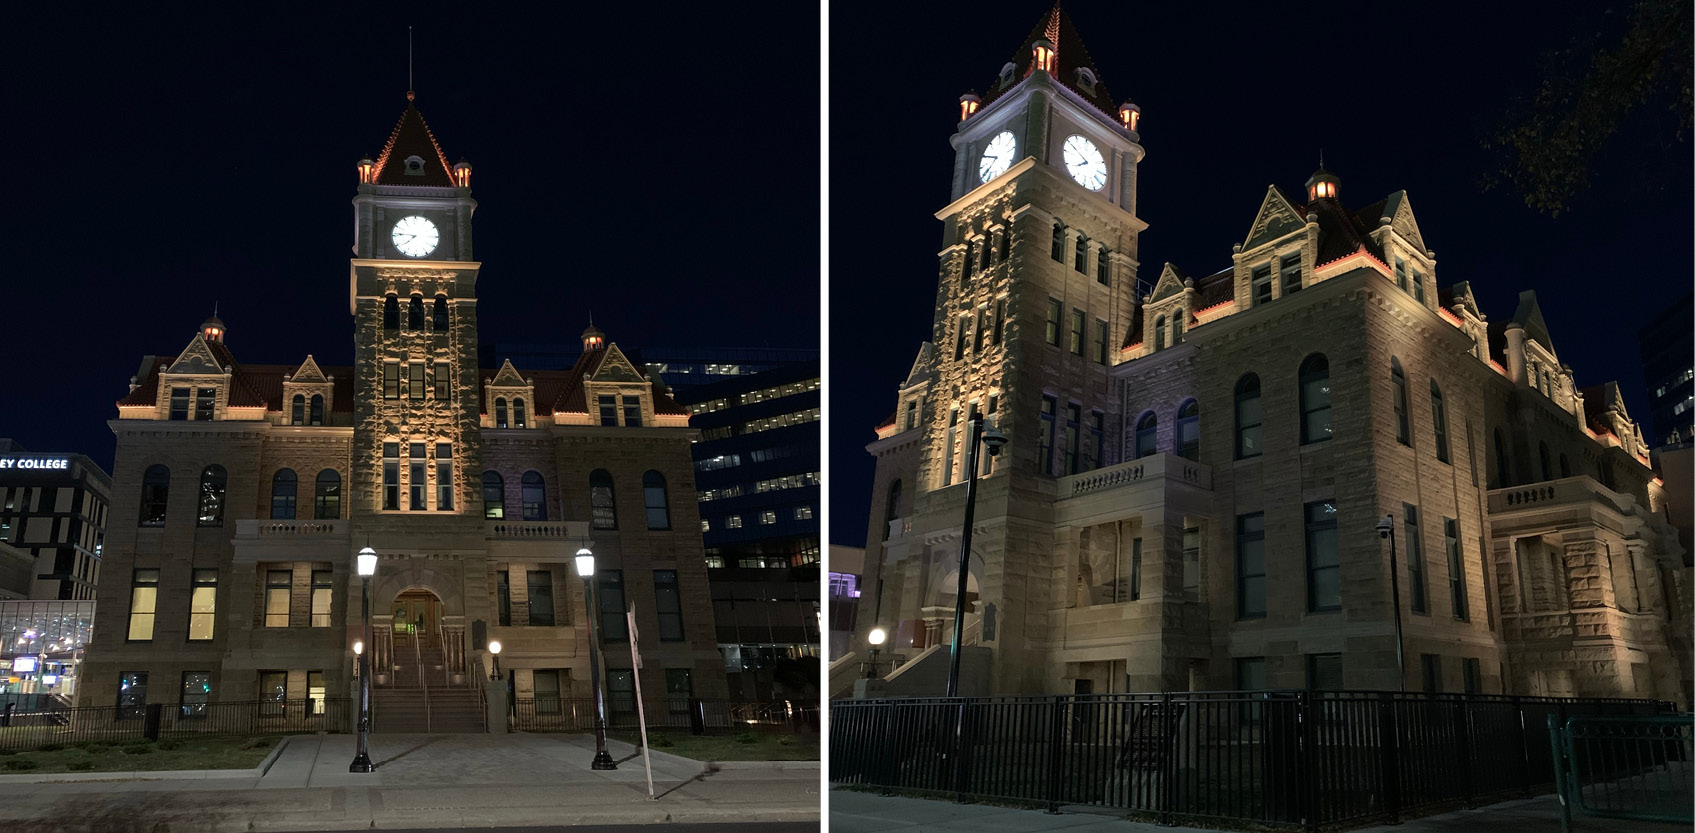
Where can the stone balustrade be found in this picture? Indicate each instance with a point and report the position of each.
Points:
(1145, 469)
(531, 530)
(272, 529)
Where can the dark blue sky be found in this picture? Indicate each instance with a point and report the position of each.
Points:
(1236, 97)
(159, 161)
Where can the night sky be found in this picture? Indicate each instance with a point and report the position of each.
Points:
(158, 162)
(1235, 97)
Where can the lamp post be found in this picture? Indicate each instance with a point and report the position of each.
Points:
(878, 635)
(975, 433)
(367, 561)
(1386, 529)
(494, 651)
(585, 568)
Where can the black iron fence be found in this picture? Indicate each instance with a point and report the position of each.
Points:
(695, 715)
(1625, 767)
(22, 731)
(1297, 759)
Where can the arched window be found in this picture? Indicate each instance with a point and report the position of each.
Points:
(518, 415)
(297, 410)
(415, 314)
(1176, 326)
(1565, 466)
(317, 414)
(1188, 434)
(534, 493)
(1247, 417)
(604, 515)
(155, 493)
(653, 493)
(1315, 399)
(1059, 242)
(283, 490)
(500, 412)
(440, 322)
(1503, 463)
(1542, 455)
(1081, 262)
(891, 508)
(1439, 415)
(391, 313)
(1147, 429)
(1159, 333)
(1398, 381)
(213, 481)
(326, 496)
(494, 495)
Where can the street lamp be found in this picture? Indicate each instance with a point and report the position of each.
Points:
(585, 568)
(992, 438)
(1386, 529)
(367, 561)
(878, 635)
(494, 650)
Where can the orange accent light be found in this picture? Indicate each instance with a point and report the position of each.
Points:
(366, 166)
(1045, 57)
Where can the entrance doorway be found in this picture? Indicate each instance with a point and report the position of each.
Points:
(416, 612)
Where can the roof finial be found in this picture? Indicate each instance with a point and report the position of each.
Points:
(214, 309)
(409, 94)
(1321, 159)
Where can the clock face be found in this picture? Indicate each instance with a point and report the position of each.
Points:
(998, 156)
(1083, 161)
(415, 236)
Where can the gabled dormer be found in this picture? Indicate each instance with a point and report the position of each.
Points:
(1531, 360)
(308, 395)
(1394, 229)
(914, 393)
(1279, 255)
(1169, 311)
(1463, 305)
(509, 400)
(617, 392)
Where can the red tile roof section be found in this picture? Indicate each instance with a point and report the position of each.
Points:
(412, 137)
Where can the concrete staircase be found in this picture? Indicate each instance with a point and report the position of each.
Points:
(419, 701)
(926, 675)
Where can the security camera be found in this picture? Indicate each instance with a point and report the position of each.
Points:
(993, 439)
(1385, 526)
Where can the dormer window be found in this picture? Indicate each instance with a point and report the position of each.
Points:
(414, 166)
(1008, 74)
(1086, 80)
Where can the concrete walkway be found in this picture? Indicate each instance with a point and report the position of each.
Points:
(857, 812)
(423, 781)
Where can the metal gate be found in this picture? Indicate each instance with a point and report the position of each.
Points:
(1625, 767)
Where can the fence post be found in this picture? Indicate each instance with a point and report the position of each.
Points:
(889, 747)
(1307, 758)
(1523, 745)
(1555, 732)
(1168, 760)
(150, 725)
(1389, 760)
(1462, 740)
(1056, 741)
(961, 742)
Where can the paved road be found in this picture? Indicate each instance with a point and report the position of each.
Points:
(768, 827)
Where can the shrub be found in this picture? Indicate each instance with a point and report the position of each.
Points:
(50, 747)
(80, 765)
(21, 763)
(168, 745)
(91, 745)
(135, 749)
(747, 737)
(258, 743)
(8, 751)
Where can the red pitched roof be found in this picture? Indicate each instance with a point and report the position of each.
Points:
(1056, 28)
(561, 391)
(412, 137)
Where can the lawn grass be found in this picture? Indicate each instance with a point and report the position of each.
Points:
(99, 756)
(764, 746)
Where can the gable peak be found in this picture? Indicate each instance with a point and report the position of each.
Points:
(1055, 47)
(411, 156)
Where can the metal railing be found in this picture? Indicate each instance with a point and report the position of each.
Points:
(1295, 759)
(25, 731)
(1625, 767)
(689, 714)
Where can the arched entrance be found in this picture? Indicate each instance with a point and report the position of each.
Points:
(417, 611)
(415, 653)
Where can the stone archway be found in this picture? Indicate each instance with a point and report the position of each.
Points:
(418, 620)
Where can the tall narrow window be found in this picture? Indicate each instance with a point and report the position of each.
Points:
(326, 496)
(653, 493)
(1054, 311)
(985, 251)
(1324, 560)
(1192, 563)
(1250, 566)
(1260, 283)
(1135, 588)
(1058, 249)
(1102, 267)
(1188, 434)
(1439, 415)
(1565, 466)
(1092, 445)
(1247, 417)
(979, 332)
(613, 627)
(444, 476)
(297, 410)
(391, 313)
(1456, 569)
(1100, 341)
(1542, 456)
(1418, 286)
(1415, 560)
(668, 603)
(415, 380)
(1503, 465)
(415, 314)
(1291, 272)
(132, 694)
(418, 484)
(1147, 433)
(947, 450)
(541, 597)
(1431, 665)
(205, 403)
(391, 380)
(962, 334)
(632, 412)
(1159, 334)
(323, 593)
(444, 386)
(500, 412)
(179, 404)
(202, 604)
(1176, 326)
(608, 410)
(1073, 435)
(1398, 381)
(213, 481)
(1472, 670)
(1315, 399)
(1045, 436)
(155, 494)
(196, 690)
(503, 598)
(278, 586)
(1006, 244)
(440, 322)
(970, 262)
(284, 488)
(603, 510)
(1000, 320)
(391, 475)
(143, 604)
(1401, 274)
(316, 414)
(494, 495)
(1081, 261)
(891, 508)
(535, 497)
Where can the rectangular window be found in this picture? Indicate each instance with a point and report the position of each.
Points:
(1261, 284)
(315, 691)
(278, 584)
(1291, 274)
(1135, 588)
(1102, 270)
(1250, 673)
(1076, 332)
(415, 380)
(962, 330)
(323, 590)
(668, 602)
(391, 475)
(143, 604)
(1418, 286)
(1431, 665)
(970, 259)
(768, 517)
(613, 628)
(132, 694)
(443, 385)
(541, 597)
(546, 686)
(679, 687)
(1401, 274)
(1473, 672)
(1100, 341)
(418, 484)
(1439, 414)
(1250, 566)
(1324, 570)
(1093, 445)
(1054, 311)
(632, 412)
(179, 404)
(391, 380)
(1073, 435)
(205, 400)
(1415, 560)
(1192, 563)
(273, 693)
(911, 415)
(947, 451)
(608, 410)
(1045, 436)
(1080, 261)
(1000, 320)
(1058, 249)
(202, 605)
(196, 690)
(1324, 672)
(503, 597)
(1456, 569)
(733, 522)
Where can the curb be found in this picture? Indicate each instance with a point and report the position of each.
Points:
(780, 766)
(151, 775)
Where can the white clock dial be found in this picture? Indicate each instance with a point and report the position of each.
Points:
(415, 236)
(998, 156)
(1084, 162)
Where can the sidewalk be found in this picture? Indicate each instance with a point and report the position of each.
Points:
(431, 781)
(857, 812)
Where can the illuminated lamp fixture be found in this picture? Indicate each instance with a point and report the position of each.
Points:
(593, 338)
(213, 329)
(1130, 115)
(1322, 185)
(367, 170)
(1047, 59)
(968, 105)
(462, 173)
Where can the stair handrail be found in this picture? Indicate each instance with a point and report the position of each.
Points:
(446, 659)
(423, 683)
